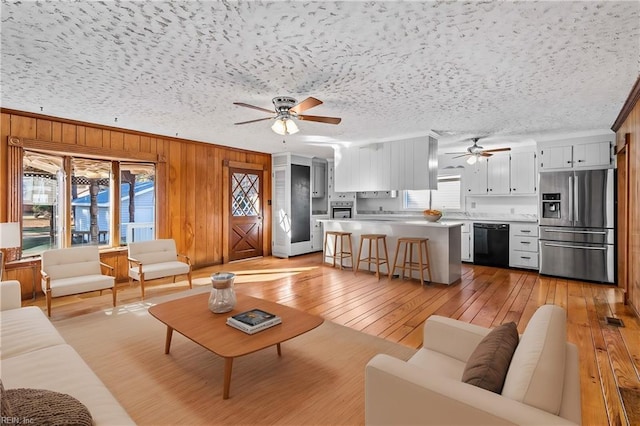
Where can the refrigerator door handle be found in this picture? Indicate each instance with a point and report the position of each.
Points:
(575, 247)
(576, 200)
(571, 198)
(574, 232)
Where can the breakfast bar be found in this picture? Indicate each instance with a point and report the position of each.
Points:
(444, 241)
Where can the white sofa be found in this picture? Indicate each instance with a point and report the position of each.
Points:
(149, 260)
(34, 355)
(541, 387)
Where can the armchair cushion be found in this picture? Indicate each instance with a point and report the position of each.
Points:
(154, 251)
(71, 262)
(488, 364)
(537, 372)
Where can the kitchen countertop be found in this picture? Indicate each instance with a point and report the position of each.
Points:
(456, 217)
(399, 222)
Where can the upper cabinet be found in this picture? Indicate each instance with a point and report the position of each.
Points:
(591, 153)
(502, 174)
(397, 165)
(523, 173)
(319, 179)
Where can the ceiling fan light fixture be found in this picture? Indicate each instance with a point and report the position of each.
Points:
(284, 126)
(472, 159)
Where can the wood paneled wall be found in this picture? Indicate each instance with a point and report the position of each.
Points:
(627, 131)
(189, 196)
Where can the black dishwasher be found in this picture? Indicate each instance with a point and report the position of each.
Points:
(491, 244)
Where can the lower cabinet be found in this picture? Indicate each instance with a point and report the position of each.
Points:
(523, 245)
(317, 235)
(467, 242)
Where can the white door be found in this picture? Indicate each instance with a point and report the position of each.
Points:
(281, 246)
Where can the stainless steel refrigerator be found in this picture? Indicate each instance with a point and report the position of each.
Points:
(577, 224)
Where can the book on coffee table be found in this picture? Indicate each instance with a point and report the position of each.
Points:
(253, 321)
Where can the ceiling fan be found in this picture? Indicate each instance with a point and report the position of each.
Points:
(475, 151)
(286, 110)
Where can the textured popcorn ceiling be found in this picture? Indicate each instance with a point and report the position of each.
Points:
(391, 70)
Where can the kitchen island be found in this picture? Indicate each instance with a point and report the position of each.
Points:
(444, 242)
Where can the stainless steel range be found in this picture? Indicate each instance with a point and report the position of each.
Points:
(577, 225)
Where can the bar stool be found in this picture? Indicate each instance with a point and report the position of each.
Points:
(337, 235)
(423, 257)
(373, 238)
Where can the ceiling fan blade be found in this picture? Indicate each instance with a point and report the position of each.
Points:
(270, 111)
(497, 150)
(463, 155)
(485, 154)
(453, 153)
(305, 105)
(329, 120)
(253, 121)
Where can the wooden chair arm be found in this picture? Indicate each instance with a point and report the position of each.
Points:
(186, 258)
(109, 268)
(46, 280)
(133, 261)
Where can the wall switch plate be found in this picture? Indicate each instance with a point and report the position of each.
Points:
(513, 210)
(473, 204)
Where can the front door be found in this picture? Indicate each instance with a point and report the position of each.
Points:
(245, 223)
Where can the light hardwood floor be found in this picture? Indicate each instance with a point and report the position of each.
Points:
(396, 310)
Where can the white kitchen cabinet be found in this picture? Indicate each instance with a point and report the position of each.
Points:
(523, 245)
(467, 242)
(331, 178)
(319, 179)
(523, 173)
(397, 165)
(317, 235)
(498, 172)
(592, 155)
(502, 174)
(476, 177)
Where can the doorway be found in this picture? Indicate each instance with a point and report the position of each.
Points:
(245, 217)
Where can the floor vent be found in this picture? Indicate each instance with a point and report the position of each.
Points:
(614, 321)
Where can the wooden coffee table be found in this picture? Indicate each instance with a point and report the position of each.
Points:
(191, 317)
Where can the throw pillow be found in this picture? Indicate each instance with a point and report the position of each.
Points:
(45, 407)
(488, 364)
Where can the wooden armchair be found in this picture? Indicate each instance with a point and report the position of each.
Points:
(73, 271)
(150, 260)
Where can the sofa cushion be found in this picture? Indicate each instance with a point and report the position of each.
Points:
(45, 407)
(488, 364)
(5, 406)
(537, 370)
(60, 368)
(25, 330)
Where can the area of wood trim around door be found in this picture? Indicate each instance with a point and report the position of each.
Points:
(622, 157)
(226, 165)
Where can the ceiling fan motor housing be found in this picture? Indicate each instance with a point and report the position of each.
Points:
(283, 104)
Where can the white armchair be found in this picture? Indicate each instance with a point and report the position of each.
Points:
(149, 260)
(542, 384)
(73, 271)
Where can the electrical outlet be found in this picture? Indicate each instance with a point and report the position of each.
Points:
(380, 208)
(473, 204)
(513, 210)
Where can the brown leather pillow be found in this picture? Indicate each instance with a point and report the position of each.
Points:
(488, 364)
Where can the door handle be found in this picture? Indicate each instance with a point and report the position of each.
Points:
(562, 231)
(576, 207)
(571, 198)
(575, 247)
